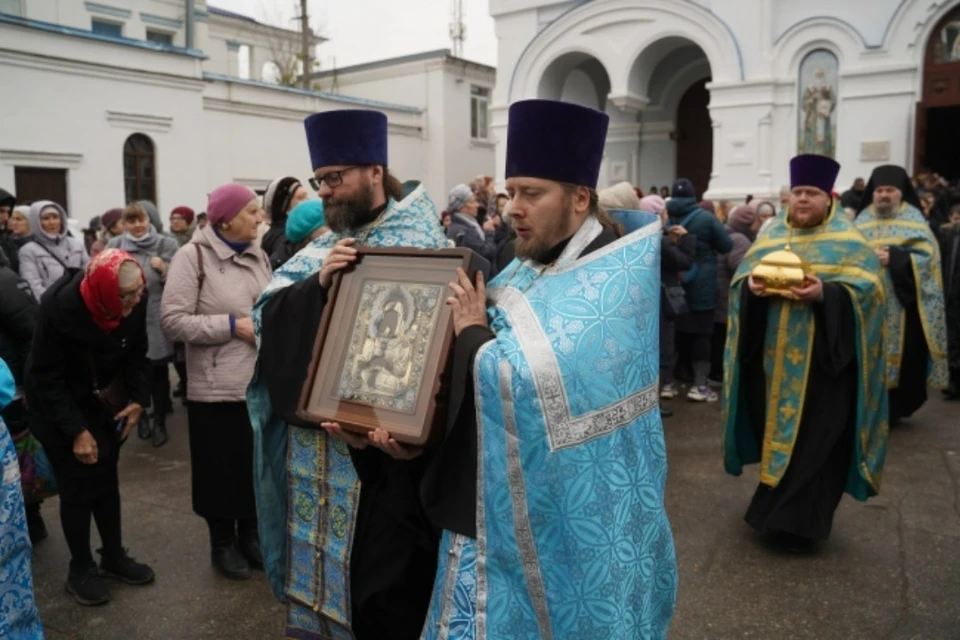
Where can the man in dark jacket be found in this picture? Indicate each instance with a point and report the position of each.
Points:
(850, 199)
(677, 251)
(18, 319)
(700, 282)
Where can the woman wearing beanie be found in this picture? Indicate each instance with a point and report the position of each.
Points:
(280, 198)
(181, 224)
(464, 229)
(110, 227)
(211, 287)
(304, 224)
(86, 386)
(52, 250)
(699, 283)
(153, 252)
(742, 226)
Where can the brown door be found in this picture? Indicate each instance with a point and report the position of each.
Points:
(920, 138)
(41, 184)
(695, 137)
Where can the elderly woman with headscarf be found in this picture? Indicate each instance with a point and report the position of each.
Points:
(211, 287)
(153, 252)
(464, 229)
(51, 251)
(86, 386)
(742, 227)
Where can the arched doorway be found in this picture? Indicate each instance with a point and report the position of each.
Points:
(676, 139)
(576, 77)
(694, 137)
(938, 112)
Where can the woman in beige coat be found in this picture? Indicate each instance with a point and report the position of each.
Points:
(211, 287)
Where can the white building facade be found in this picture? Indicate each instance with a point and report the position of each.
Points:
(725, 92)
(454, 95)
(119, 100)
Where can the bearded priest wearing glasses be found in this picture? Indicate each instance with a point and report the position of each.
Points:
(345, 542)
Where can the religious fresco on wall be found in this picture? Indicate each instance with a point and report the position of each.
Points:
(817, 112)
(946, 43)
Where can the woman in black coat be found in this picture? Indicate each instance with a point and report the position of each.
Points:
(86, 386)
(18, 318)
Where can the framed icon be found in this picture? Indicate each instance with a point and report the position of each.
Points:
(382, 354)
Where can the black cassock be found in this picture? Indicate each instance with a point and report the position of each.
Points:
(394, 555)
(911, 392)
(806, 497)
(449, 489)
(950, 255)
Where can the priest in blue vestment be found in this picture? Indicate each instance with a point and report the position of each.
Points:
(346, 543)
(549, 485)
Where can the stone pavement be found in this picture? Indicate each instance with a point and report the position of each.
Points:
(890, 570)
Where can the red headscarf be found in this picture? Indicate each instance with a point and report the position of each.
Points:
(100, 288)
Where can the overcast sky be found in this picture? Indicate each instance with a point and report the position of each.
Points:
(366, 30)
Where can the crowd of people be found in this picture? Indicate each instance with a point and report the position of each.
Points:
(809, 377)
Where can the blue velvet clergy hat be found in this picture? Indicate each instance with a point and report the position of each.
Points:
(811, 170)
(555, 141)
(348, 136)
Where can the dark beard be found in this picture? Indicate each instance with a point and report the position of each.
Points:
(347, 214)
(537, 249)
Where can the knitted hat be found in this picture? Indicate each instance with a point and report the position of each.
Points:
(304, 219)
(683, 188)
(744, 215)
(185, 212)
(652, 203)
(276, 199)
(458, 197)
(226, 201)
(111, 217)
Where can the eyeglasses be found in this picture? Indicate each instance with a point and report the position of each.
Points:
(132, 295)
(332, 179)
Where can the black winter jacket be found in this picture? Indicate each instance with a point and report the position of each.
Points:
(18, 318)
(67, 347)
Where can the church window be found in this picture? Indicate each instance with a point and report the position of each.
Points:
(139, 177)
(946, 43)
(105, 28)
(479, 103)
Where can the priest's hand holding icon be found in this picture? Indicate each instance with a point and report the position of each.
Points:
(335, 431)
(382, 440)
(811, 291)
(340, 257)
(469, 303)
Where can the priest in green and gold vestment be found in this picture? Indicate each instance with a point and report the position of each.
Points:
(916, 347)
(806, 394)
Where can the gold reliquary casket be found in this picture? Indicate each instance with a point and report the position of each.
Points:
(780, 271)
